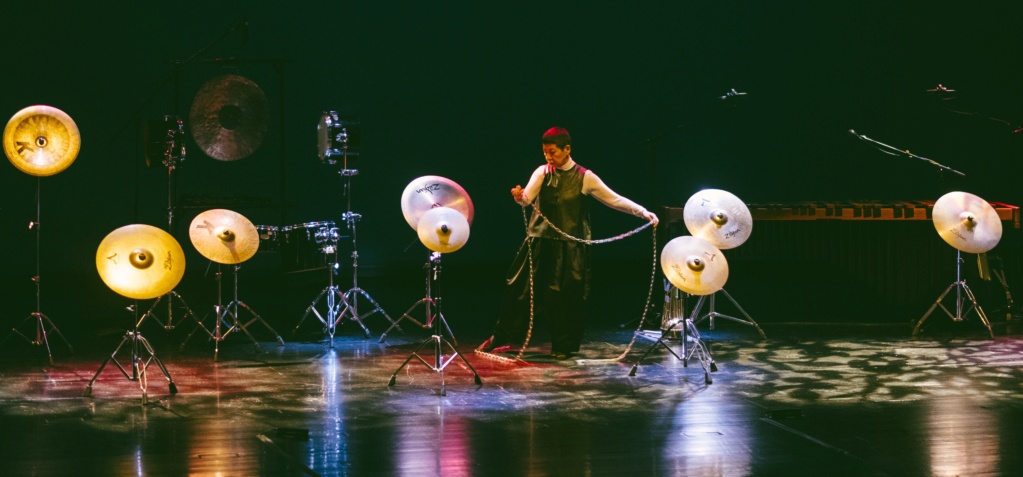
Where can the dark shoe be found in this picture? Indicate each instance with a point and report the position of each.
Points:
(561, 356)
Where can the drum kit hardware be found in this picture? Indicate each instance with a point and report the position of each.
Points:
(41, 141)
(138, 262)
(226, 237)
(969, 224)
(421, 196)
(441, 229)
(339, 138)
(695, 264)
(228, 118)
(165, 141)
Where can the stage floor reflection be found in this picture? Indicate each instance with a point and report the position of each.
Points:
(849, 403)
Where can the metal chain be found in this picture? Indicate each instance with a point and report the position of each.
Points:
(529, 244)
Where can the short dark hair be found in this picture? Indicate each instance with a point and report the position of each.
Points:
(557, 136)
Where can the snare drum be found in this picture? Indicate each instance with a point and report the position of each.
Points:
(267, 238)
(303, 245)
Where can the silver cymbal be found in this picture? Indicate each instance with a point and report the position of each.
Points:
(443, 229)
(718, 217)
(966, 222)
(140, 261)
(429, 192)
(224, 236)
(694, 265)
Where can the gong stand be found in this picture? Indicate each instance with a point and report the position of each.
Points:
(142, 355)
(174, 151)
(437, 339)
(965, 302)
(686, 327)
(44, 326)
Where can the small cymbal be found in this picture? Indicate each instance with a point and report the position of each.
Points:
(443, 229)
(224, 236)
(966, 222)
(140, 261)
(429, 192)
(718, 217)
(694, 265)
(41, 140)
(228, 118)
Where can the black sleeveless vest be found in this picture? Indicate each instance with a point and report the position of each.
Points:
(562, 201)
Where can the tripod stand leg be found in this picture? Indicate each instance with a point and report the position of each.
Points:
(980, 311)
(152, 354)
(660, 341)
(312, 309)
(88, 389)
(920, 322)
(256, 317)
(407, 316)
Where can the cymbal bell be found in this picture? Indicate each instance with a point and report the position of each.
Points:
(718, 217)
(429, 192)
(41, 140)
(140, 261)
(694, 265)
(966, 222)
(228, 118)
(224, 236)
(443, 229)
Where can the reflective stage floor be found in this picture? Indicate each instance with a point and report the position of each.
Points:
(857, 401)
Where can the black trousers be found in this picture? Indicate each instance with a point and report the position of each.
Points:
(561, 289)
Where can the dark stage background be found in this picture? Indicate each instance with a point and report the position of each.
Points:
(465, 89)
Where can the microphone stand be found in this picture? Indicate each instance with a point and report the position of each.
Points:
(894, 151)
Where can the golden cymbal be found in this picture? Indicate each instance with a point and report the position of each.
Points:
(443, 229)
(140, 261)
(224, 236)
(966, 222)
(41, 140)
(429, 192)
(718, 217)
(228, 118)
(694, 265)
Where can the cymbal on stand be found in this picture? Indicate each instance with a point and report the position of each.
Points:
(140, 261)
(694, 265)
(443, 229)
(718, 217)
(41, 140)
(967, 222)
(429, 192)
(224, 236)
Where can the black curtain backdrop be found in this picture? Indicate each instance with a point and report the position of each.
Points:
(465, 89)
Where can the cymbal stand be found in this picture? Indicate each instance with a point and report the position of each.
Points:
(712, 313)
(352, 295)
(142, 355)
(235, 303)
(437, 339)
(222, 327)
(688, 331)
(429, 303)
(44, 326)
(174, 151)
(335, 299)
(963, 293)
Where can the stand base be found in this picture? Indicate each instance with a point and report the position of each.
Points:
(963, 293)
(44, 326)
(428, 324)
(688, 329)
(712, 314)
(439, 361)
(171, 297)
(351, 297)
(139, 364)
(334, 313)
